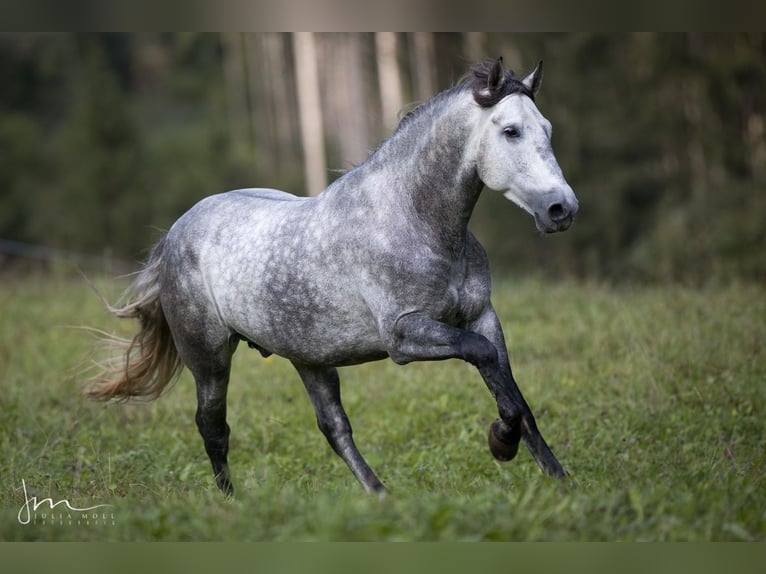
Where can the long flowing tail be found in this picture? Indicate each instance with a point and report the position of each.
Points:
(148, 362)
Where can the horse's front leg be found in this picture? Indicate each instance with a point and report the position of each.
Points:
(503, 436)
(417, 337)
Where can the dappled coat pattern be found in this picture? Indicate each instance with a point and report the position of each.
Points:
(381, 264)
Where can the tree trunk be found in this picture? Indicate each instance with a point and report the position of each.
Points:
(388, 78)
(246, 47)
(424, 67)
(310, 111)
(280, 108)
(475, 49)
(236, 101)
(346, 92)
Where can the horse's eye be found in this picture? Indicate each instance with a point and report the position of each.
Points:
(512, 132)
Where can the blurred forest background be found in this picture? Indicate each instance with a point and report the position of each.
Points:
(105, 138)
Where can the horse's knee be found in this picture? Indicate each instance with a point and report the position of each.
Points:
(478, 351)
(399, 357)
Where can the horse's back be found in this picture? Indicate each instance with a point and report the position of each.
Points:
(264, 193)
(226, 235)
(253, 199)
(236, 213)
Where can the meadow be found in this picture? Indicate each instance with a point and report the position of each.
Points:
(653, 398)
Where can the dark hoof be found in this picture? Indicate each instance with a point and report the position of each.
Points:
(504, 440)
(227, 489)
(224, 484)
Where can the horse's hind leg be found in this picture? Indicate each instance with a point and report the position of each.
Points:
(207, 352)
(212, 383)
(323, 387)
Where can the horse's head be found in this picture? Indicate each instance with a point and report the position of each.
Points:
(514, 153)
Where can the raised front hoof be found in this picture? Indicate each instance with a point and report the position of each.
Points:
(504, 440)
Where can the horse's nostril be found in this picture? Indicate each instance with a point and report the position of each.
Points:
(557, 212)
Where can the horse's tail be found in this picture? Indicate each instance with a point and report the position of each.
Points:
(148, 362)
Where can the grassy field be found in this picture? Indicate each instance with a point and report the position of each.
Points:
(653, 398)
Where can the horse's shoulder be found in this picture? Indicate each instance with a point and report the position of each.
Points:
(475, 256)
(475, 292)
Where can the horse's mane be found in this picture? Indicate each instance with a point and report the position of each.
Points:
(476, 80)
(510, 85)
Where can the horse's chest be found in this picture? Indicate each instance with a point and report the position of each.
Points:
(441, 297)
(462, 298)
(447, 307)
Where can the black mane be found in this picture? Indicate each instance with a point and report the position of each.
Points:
(510, 85)
(477, 82)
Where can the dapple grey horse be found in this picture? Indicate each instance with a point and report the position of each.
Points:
(380, 264)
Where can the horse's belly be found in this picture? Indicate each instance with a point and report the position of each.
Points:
(311, 347)
(306, 332)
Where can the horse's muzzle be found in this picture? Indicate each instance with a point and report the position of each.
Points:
(558, 217)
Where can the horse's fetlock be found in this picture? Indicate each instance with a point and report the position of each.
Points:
(510, 412)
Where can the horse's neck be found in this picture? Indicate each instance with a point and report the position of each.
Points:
(427, 173)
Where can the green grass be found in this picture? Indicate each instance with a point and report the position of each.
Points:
(653, 398)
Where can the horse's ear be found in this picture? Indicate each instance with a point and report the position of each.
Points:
(496, 76)
(535, 79)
